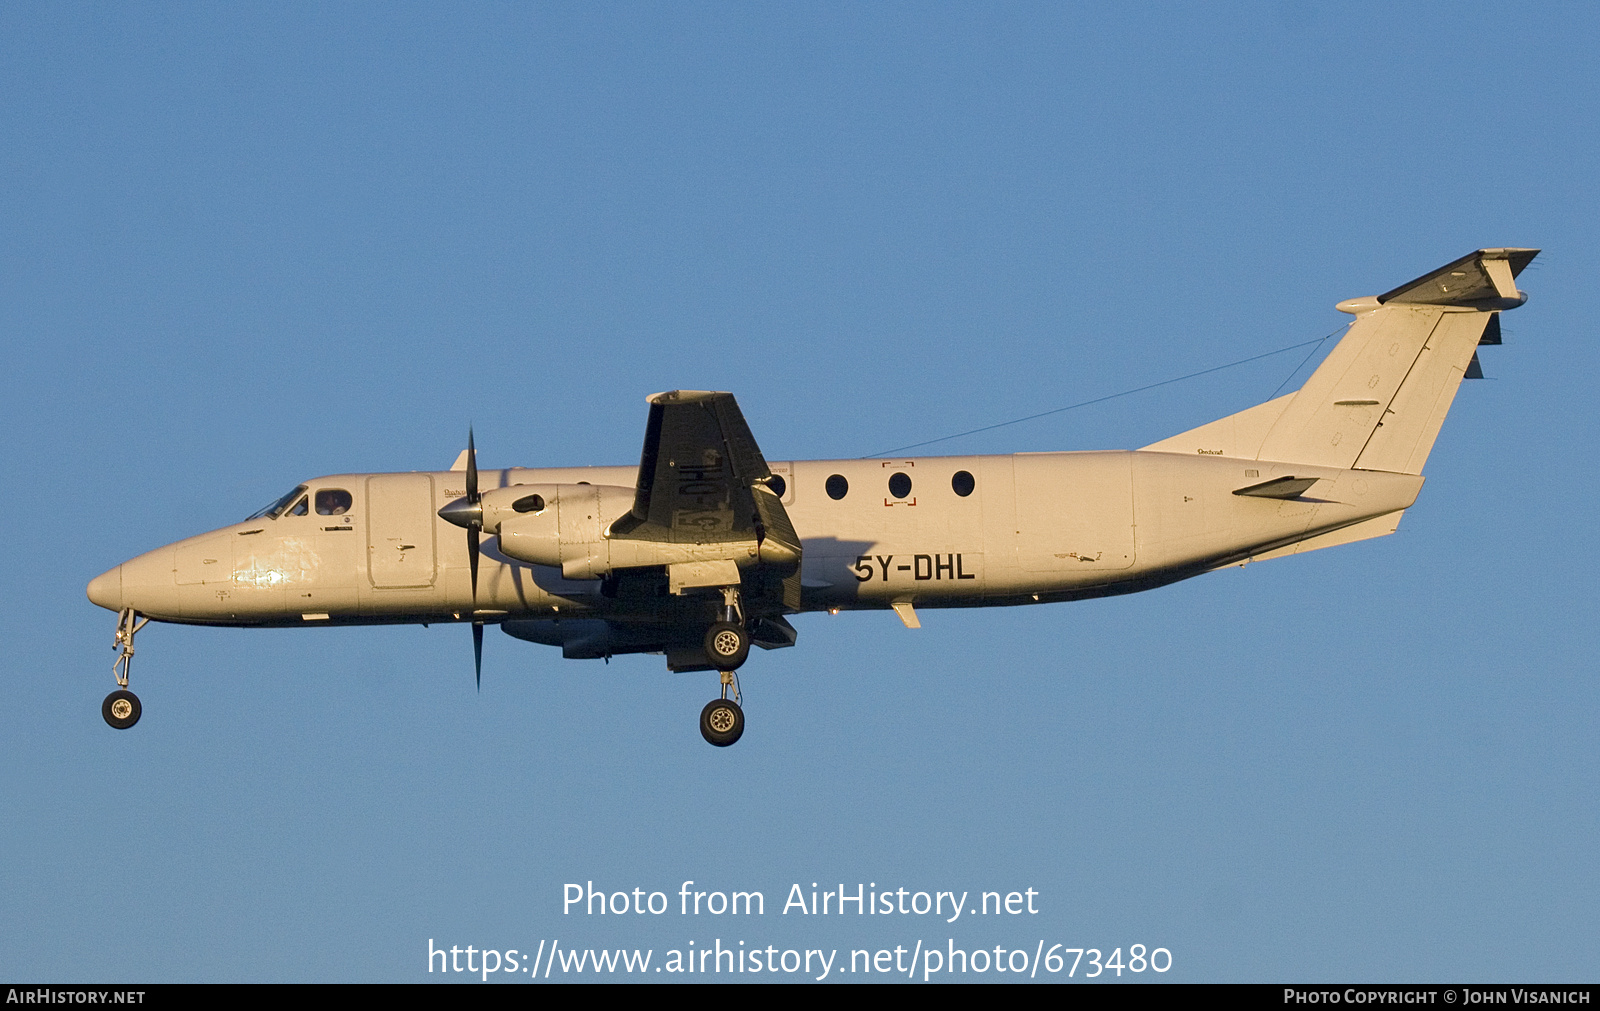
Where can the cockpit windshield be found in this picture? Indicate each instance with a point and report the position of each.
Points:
(276, 509)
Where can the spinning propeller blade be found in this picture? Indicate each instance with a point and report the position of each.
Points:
(475, 526)
(467, 512)
(474, 534)
(477, 652)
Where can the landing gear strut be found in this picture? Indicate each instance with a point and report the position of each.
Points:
(121, 708)
(722, 720)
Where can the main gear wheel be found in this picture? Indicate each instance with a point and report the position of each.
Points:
(721, 722)
(727, 644)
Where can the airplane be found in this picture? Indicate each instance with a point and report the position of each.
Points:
(704, 548)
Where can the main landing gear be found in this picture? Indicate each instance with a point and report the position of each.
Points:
(121, 708)
(727, 644)
(722, 720)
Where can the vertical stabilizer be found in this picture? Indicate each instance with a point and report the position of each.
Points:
(1339, 408)
(1379, 398)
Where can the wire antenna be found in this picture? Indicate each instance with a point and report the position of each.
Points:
(1125, 393)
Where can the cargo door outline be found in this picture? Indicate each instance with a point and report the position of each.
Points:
(1074, 511)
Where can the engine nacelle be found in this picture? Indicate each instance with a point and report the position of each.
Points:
(567, 525)
(560, 525)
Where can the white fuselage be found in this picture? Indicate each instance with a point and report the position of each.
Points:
(1033, 527)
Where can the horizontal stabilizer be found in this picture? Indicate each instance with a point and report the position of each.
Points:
(1485, 278)
(1279, 487)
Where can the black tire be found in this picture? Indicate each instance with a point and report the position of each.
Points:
(721, 722)
(121, 709)
(727, 645)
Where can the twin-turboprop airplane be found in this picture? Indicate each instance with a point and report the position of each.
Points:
(704, 548)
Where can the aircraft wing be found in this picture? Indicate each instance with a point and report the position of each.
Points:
(703, 481)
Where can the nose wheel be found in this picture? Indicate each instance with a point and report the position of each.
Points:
(722, 720)
(121, 709)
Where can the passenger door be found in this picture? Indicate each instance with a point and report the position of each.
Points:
(400, 551)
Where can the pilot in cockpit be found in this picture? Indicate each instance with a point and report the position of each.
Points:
(333, 502)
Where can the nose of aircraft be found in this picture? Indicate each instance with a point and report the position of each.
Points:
(144, 583)
(106, 589)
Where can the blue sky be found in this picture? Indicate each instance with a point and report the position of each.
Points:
(241, 247)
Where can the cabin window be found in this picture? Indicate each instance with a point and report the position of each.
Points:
(962, 482)
(899, 484)
(333, 502)
(837, 487)
(778, 485)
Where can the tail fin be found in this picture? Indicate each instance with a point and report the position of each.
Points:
(1379, 398)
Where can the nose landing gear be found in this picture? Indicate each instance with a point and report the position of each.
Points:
(121, 708)
(722, 720)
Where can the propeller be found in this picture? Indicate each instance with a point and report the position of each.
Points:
(474, 522)
(474, 538)
(468, 512)
(477, 653)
